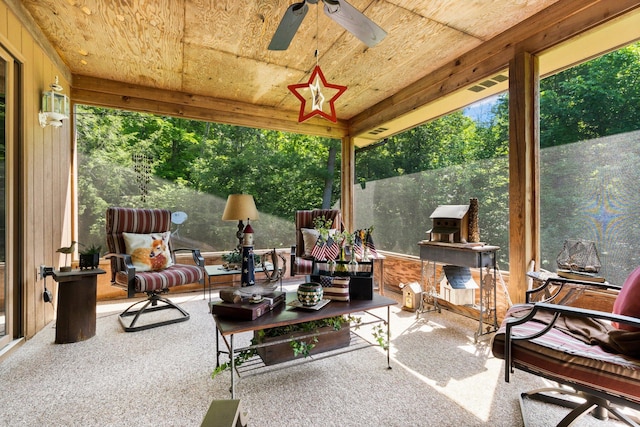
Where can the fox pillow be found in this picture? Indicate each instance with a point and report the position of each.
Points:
(149, 252)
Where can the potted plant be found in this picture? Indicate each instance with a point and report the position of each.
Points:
(90, 257)
(233, 260)
(308, 342)
(308, 338)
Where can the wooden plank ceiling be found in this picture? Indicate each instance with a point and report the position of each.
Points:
(218, 48)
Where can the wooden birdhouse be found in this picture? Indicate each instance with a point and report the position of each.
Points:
(450, 224)
(458, 287)
(411, 296)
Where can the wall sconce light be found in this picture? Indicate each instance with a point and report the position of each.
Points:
(55, 106)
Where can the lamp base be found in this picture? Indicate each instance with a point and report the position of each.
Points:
(240, 235)
(247, 278)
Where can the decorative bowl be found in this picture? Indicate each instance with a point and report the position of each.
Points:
(310, 294)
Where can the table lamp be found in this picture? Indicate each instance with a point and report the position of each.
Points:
(240, 207)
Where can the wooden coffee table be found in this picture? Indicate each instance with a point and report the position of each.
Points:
(286, 315)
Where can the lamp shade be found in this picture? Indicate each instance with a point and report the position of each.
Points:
(240, 207)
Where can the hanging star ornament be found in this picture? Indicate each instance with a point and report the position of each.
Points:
(314, 88)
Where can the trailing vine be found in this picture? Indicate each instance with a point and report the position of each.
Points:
(381, 336)
(242, 357)
(303, 347)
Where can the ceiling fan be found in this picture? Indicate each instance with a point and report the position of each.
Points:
(339, 10)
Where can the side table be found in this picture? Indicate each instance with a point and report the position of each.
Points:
(479, 257)
(76, 313)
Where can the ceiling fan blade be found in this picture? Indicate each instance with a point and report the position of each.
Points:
(354, 21)
(288, 26)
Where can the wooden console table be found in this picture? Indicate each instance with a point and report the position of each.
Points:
(479, 257)
(287, 315)
(76, 313)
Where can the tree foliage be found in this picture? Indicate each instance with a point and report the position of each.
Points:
(402, 179)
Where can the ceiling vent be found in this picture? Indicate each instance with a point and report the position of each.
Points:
(378, 131)
(488, 83)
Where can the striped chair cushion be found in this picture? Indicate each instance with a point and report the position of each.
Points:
(152, 281)
(569, 360)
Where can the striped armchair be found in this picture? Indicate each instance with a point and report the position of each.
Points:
(154, 282)
(301, 263)
(574, 347)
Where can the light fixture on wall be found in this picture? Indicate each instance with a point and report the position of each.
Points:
(238, 208)
(55, 106)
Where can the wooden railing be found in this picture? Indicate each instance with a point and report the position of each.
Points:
(398, 268)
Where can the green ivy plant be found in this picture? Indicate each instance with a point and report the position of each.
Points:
(303, 347)
(235, 257)
(242, 357)
(381, 336)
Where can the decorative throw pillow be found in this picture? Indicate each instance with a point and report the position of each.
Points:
(309, 237)
(149, 252)
(628, 300)
(335, 288)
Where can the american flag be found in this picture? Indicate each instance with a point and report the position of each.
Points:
(332, 249)
(357, 244)
(319, 251)
(369, 244)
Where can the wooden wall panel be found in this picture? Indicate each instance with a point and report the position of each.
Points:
(44, 174)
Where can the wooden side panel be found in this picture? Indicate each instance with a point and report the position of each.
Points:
(43, 159)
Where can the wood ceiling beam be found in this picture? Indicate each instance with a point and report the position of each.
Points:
(551, 26)
(108, 93)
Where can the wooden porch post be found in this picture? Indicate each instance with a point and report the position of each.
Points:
(524, 171)
(347, 177)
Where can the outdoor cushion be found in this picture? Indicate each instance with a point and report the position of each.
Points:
(150, 281)
(569, 360)
(628, 300)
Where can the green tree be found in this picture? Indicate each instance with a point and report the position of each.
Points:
(594, 99)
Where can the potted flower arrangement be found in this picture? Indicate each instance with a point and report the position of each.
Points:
(90, 257)
(232, 260)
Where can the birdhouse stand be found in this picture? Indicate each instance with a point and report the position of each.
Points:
(450, 224)
(411, 295)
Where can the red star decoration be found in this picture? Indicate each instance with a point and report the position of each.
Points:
(316, 92)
